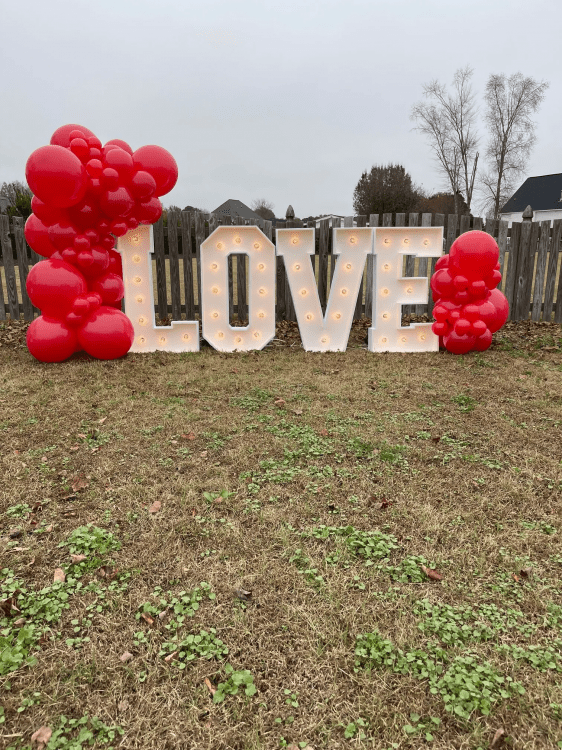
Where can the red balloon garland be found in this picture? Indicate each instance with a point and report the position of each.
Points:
(85, 195)
(468, 307)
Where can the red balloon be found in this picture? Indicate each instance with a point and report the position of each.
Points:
(79, 147)
(61, 136)
(458, 344)
(463, 327)
(143, 185)
(474, 253)
(501, 305)
(148, 213)
(115, 264)
(442, 283)
(107, 333)
(50, 340)
(442, 262)
(85, 214)
(62, 235)
(121, 144)
(116, 203)
(110, 287)
(160, 164)
(53, 285)
(121, 161)
(119, 227)
(56, 176)
(37, 236)
(483, 342)
(440, 328)
(99, 263)
(49, 215)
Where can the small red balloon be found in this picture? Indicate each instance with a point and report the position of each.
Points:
(62, 135)
(110, 287)
(56, 176)
(37, 236)
(121, 144)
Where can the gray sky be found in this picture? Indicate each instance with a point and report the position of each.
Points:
(289, 101)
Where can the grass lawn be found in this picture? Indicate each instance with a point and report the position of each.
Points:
(283, 549)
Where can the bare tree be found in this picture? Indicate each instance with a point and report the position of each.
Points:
(449, 122)
(263, 208)
(510, 104)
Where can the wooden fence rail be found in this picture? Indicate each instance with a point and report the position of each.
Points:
(530, 260)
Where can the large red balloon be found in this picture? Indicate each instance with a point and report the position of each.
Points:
(51, 340)
(37, 236)
(61, 136)
(500, 303)
(110, 287)
(107, 334)
(160, 164)
(53, 285)
(56, 176)
(475, 254)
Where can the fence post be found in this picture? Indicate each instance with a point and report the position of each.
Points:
(524, 267)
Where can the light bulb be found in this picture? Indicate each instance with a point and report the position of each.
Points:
(238, 240)
(214, 315)
(337, 316)
(142, 340)
(324, 339)
(261, 266)
(304, 292)
(257, 334)
(139, 298)
(295, 240)
(135, 239)
(426, 242)
(348, 266)
(404, 339)
(385, 292)
(261, 315)
(344, 291)
(136, 259)
(309, 316)
(409, 290)
(219, 245)
(220, 335)
(384, 340)
(386, 267)
(142, 321)
(262, 291)
(239, 339)
(257, 245)
(186, 336)
(214, 266)
(297, 267)
(137, 280)
(215, 290)
(406, 240)
(353, 240)
(386, 241)
(422, 337)
(385, 316)
(162, 340)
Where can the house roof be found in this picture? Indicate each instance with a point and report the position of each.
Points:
(541, 193)
(232, 207)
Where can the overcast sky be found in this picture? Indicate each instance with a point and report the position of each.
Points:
(289, 101)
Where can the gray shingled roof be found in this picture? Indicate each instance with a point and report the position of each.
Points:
(541, 193)
(232, 207)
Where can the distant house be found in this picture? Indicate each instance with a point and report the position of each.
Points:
(543, 194)
(235, 208)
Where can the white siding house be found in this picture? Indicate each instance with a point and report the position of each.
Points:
(543, 194)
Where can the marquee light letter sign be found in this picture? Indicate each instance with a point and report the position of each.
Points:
(87, 194)
(215, 250)
(392, 290)
(329, 332)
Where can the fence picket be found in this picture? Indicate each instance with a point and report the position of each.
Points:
(187, 257)
(174, 261)
(161, 290)
(439, 222)
(361, 222)
(511, 276)
(502, 244)
(540, 270)
(554, 249)
(23, 267)
(422, 264)
(9, 270)
(370, 274)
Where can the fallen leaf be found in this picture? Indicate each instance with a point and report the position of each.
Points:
(123, 705)
(170, 657)
(77, 558)
(147, 618)
(162, 615)
(280, 402)
(81, 435)
(525, 572)
(499, 737)
(324, 433)
(8, 605)
(127, 656)
(42, 737)
(74, 447)
(69, 497)
(174, 442)
(155, 507)
(189, 436)
(15, 533)
(102, 420)
(203, 454)
(19, 622)
(59, 576)
(433, 574)
(516, 578)
(436, 438)
(209, 684)
(20, 549)
(243, 594)
(48, 528)
(79, 483)
(298, 412)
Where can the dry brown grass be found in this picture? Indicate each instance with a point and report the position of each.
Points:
(458, 489)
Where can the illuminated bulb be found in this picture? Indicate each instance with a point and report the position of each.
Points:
(409, 290)
(353, 240)
(257, 245)
(422, 337)
(139, 298)
(386, 267)
(295, 240)
(239, 339)
(220, 335)
(214, 315)
(344, 291)
(385, 292)
(304, 292)
(309, 316)
(403, 339)
(257, 334)
(162, 340)
(137, 280)
(136, 259)
(337, 316)
(261, 291)
(297, 267)
(219, 245)
(348, 266)
(215, 290)
(384, 340)
(386, 241)
(214, 266)
(142, 321)
(142, 340)
(135, 239)
(324, 339)
(406, 240)
(238, 240)
(426, 242)
(261, 266)
(385, 316)
(185, 336)
(261, 315)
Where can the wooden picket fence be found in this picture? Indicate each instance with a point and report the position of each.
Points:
(530, 259)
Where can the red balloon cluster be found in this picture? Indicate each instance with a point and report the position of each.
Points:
(85, 195)
(468, 307)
